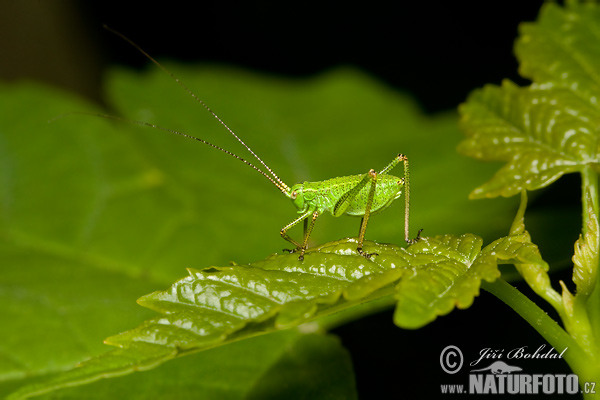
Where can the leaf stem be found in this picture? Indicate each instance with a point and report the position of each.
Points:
(589, 185)
(580, 362)
(535, 275)
(586, 307)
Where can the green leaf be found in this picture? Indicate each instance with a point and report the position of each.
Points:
(218, 305)
(560, 50)
(436, 288)
(550, 128)
(94, 214)
(542, 134)
(56, 289)
(287, 364)
(313, 363)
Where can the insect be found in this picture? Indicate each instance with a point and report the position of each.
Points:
(356, 195)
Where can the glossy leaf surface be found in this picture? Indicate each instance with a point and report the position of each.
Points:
(551, 127)
(218, 305)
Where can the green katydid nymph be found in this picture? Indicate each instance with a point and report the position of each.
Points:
(356, 195)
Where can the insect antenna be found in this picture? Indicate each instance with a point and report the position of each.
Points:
(281, 185)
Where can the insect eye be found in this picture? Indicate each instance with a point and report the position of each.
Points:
(294, 195)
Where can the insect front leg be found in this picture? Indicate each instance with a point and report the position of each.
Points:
(307, 230)
(287, 237)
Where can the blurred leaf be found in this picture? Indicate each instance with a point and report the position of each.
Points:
(57, 295)
(315, 367)
(286, 364)
(551, 127)
(93, 214)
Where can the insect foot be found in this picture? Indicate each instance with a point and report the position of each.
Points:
(415, 240)
(365, 254)
(301, 256)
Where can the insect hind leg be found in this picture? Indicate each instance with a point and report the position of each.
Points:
(365, 219)
(396, 161)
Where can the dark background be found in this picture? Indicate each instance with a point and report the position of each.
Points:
(438, 51)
